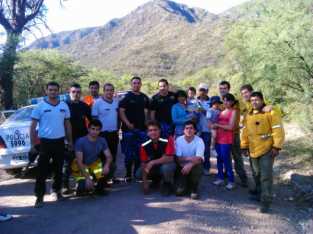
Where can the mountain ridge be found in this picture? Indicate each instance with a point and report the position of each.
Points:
(160, 38)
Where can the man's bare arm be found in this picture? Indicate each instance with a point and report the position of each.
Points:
(164, 159)
(146, 114)
(194, 160)
(82, 167)
(68, 132)
(124, 118)
(108, 157)
(152, 115)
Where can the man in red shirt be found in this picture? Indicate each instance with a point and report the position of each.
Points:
(157, 160)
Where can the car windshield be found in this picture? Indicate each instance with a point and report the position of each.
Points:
(23, 114)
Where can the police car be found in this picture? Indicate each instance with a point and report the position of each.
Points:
(15, 136)
(15, 139)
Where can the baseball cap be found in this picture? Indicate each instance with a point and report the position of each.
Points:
(203, 86)
(215, 99)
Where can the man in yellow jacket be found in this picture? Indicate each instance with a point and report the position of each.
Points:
(262, 138)
(246, 106)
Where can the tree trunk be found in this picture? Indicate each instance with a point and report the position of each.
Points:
(7, 63)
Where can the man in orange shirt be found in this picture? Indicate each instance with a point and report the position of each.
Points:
(94, 93)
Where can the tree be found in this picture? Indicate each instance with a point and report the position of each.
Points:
(34, 69)
(16, 16)
(273, 51)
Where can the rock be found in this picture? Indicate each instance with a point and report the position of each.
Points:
(303, 186)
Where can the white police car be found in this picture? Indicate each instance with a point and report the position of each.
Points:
(15, 136)
(15, 139)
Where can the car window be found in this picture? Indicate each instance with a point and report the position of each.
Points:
(8, 114)
(23, 114)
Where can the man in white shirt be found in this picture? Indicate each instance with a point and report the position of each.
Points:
(53, 119)
(105, 109)
(190, 156)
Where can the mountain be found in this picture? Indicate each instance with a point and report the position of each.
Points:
(158, 39)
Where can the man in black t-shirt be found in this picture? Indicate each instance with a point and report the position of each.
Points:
(133, 110)
(80, 114)
(161, 107)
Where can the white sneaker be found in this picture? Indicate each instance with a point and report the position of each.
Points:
(218, 182)
(5, 217)
(230, 186)
(213, 153)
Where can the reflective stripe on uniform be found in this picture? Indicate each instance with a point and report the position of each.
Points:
(276, 126)
(265, 136)
(97, 170)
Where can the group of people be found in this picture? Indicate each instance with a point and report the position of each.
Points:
(167, 140)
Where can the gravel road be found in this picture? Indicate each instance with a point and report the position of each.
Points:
(127, 210)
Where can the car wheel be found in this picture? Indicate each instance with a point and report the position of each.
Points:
(14, 172)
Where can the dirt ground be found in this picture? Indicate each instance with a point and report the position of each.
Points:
(126, 210)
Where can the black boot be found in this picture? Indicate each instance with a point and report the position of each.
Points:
(265, 207)
(39, 202)
(101, 187)
(128, 177)
(166, 189)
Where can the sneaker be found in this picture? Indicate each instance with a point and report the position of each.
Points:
(128, 179)
(5, 217)
(57, 196)
(218, 182)
(230, 186)
(194, 196)
(110, 181)
(68, 191)
(39, 202)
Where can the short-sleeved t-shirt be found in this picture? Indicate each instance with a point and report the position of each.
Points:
(162, 105)
(51, 119)
(80, 112)
(107, 113)
(212, 115)
(91, 149)
(90, 100)
(189, 149)
(134, 105)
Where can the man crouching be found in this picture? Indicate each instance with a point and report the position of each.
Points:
(90, 168)
(157, 160)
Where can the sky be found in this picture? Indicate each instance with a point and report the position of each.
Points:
(75, 14)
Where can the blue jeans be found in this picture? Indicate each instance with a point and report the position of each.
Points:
(224, 161)
(206, 137)
(166, 130)
(131, 143)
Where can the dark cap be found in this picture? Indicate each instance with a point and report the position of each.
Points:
(215, 99)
